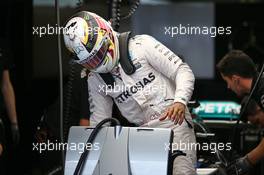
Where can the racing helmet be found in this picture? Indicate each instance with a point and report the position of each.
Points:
(92, 42)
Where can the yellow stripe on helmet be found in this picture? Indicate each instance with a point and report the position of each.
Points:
(86, 33)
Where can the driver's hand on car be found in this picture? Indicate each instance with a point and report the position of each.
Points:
(175, 112)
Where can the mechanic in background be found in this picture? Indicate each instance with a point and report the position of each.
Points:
(240, 73)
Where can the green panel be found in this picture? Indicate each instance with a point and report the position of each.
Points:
(218, 110)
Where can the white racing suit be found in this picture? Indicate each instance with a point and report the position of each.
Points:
(160, 79)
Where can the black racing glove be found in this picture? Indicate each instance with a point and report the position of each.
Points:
(239, 166)
(15, 134)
